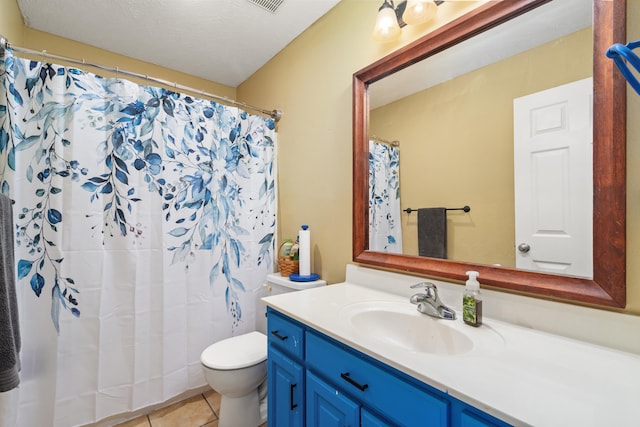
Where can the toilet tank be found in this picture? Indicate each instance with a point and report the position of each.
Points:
(275, 285)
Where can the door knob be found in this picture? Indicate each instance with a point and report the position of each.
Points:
(524, 248)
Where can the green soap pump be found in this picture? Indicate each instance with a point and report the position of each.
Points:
(472, 301)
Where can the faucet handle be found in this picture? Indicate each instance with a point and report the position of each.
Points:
(431, 290)
(427, 285)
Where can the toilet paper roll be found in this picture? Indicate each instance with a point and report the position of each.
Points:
(304, 240)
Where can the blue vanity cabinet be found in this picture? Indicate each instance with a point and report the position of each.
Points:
(315, 380)
(285, 372)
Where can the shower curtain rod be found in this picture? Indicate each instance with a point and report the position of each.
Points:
(4, 44)
(384, 141)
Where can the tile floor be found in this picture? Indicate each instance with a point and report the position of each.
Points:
(198, 411)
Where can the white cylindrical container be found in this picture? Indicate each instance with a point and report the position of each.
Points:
(304, 238)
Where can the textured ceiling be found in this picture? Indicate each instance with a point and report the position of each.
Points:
(224, 41)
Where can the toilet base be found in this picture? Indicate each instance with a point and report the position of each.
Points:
(241, 411)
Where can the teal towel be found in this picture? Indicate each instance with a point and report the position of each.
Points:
(9, 327)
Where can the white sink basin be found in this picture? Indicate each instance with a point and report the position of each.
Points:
(400, 324)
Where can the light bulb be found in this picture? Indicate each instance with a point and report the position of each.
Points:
(386, 28)
(419, 11)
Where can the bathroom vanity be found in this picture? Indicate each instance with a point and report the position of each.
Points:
(351, 355)
(315, 380)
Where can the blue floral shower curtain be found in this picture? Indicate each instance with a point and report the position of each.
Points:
(385, 231)
(144, 223)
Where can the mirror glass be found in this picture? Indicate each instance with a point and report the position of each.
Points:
(456, 153)
(453, 114)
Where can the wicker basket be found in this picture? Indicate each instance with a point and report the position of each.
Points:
(286, 264)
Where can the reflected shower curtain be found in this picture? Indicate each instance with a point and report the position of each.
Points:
(385, 231)
(144, 230)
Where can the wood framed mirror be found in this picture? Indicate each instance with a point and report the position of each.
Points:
(607, 287)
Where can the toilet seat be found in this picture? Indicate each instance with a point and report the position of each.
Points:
(236, 352)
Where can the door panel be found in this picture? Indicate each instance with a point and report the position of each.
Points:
(553, 170)
(328, 407)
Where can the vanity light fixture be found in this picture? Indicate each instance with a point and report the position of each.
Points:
(391, 19)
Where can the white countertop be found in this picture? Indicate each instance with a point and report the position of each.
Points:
(526, 377)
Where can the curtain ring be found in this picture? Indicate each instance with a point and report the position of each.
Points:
(83, 61)
(44, 53)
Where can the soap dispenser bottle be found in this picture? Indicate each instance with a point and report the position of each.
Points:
(472, 301)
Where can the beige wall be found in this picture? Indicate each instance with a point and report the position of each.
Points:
(11, 25)
(456, 146)
(310, 80)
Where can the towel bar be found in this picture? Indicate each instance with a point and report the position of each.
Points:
(464, 208)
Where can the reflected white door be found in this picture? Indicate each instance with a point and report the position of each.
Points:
(553, 152)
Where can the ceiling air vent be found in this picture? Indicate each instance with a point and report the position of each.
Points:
(270, 5)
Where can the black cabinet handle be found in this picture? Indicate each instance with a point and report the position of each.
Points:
(277, 335)
(345, 376)
(293, 405)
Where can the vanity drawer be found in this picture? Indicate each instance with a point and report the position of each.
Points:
(374, 386)
(285, 334)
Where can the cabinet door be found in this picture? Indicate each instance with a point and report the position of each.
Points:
(328, 407)
(463, 415)
(469, 418)
(370, 420)
(285, 380)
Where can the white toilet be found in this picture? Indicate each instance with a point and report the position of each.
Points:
(237, 367)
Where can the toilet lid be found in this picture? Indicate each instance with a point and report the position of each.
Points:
(236, 352)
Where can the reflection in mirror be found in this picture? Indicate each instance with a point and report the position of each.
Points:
(385, 232)
(454, 112)
(435, 160)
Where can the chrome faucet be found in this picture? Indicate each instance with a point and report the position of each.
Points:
(429, 302)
